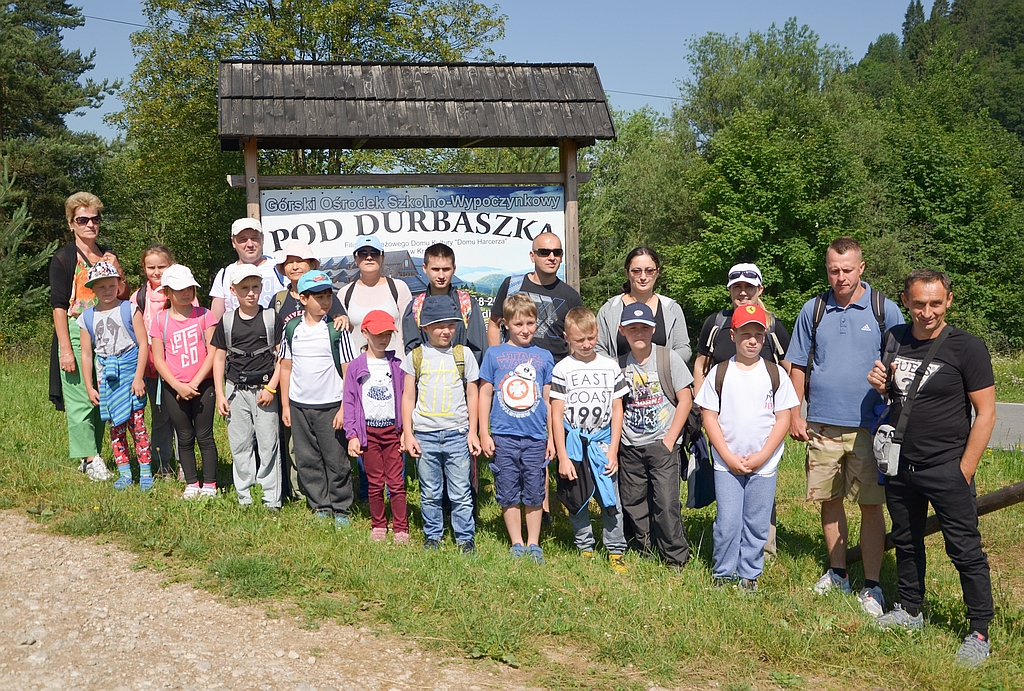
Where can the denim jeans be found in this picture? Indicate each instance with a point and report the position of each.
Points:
(741, 526)
(445, 456)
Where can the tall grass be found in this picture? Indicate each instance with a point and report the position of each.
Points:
(570, 624)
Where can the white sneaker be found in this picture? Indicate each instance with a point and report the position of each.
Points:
(872, 601)
(191, 492)
(208, 492)
(97, 470)
(830, 581)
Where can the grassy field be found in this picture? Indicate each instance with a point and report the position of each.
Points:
(1009, 371)
(571, 624)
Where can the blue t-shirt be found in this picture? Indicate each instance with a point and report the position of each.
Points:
(518, 376)
(847, 345)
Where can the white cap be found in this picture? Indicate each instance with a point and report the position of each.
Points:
(240, 272)
(244, 224)
(744, 273)
(177, 277)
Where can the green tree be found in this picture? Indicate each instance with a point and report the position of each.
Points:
(40, 86)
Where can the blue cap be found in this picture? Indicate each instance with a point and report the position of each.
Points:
(367, 241)
(637, 313)
(314, 282)
(439, 308)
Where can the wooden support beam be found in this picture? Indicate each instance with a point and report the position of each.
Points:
(987, 503)
(252, 179)
(567, 166)
(404, 179)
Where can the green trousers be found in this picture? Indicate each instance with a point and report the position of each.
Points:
(85, 429)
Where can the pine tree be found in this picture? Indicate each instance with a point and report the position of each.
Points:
(913, 18)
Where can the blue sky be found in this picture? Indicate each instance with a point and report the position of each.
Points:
(638, 46)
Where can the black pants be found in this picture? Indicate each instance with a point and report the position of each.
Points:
(192, 420)
(955, 503)
(649, 489)
(321, 460)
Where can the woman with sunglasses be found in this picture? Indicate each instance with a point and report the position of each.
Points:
(69, 297)
(715, 345)
(643, 265)
(374, 291)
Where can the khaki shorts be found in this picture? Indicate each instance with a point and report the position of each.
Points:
(840, 463)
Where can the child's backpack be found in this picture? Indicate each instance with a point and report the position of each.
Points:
(269, 319)
(140, 296)
(334, 334)
(663, 362)
(465, 306)
(773, 374)
(722, 320)
(458, 352)
(126, 317)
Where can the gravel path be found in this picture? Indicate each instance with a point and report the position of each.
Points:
(75, 615)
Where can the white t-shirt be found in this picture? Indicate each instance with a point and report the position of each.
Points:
(440, 394)
(379, 393)
(111, 334)
(365, 300)
(588, 389)
(272, 285)
(746, 413)
(315, 380)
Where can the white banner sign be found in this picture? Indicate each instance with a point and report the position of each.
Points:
(490, 229)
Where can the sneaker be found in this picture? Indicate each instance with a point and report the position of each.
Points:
(900, 618)
(748, 585)
(208, 492)
(322, 514)
(191, 492)
(517, 550)
(341, 522)
(618, 563)
(974, 651)
(97, 470)
(872, 601)
(588, 554)
(431, 544)
(401, 538)
(830, 581)
(535, 553)
(181, 473)
(83, 465)
(145, 482)
(379, 534)
(723, 582)
(468, 547)
(123, 482)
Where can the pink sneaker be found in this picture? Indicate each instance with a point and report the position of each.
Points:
(401, 538)
(378, 534)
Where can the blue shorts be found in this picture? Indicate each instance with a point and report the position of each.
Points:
(519, 470)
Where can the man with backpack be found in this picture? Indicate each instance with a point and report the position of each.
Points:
(836, 339)
(470, 331)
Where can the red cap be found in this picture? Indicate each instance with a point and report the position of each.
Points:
(378, 321)
(747, 314)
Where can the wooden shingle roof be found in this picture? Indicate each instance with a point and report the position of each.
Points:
(293, 105)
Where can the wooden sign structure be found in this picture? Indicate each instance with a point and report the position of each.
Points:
(322, 105)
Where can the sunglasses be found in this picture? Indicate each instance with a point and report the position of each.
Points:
(646, 271)
(545, 252)
(745, 274)
(366, 254)
(86, 220)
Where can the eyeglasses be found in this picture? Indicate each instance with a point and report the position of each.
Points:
(747, 273)
(546, 252)
(366, 254)
(86, 220)
(646, 271)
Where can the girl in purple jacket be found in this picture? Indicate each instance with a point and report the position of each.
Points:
(372, 400)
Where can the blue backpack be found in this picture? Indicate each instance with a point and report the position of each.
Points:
(126, 318)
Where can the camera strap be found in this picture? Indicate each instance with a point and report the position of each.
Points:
(908, 403)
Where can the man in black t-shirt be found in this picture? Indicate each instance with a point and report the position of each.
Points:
(553, 297)
(939, 455)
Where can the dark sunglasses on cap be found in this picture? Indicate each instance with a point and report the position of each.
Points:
(85, 220)
(744, 274)
(546, 252)
(366, 253)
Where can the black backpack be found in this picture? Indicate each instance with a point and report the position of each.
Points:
(820, 303)
(721, 321)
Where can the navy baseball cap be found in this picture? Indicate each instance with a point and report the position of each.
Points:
(637, 313)
(438, 308)
(314, 282)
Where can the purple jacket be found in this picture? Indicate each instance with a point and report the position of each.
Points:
(352, 395)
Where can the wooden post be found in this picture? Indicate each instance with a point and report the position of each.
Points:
(252, 179)
(567, 166)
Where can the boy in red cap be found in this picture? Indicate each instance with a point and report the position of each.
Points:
(372, 401)
(747, 408)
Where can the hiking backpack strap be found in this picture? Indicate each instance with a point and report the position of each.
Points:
(417, 361)
(289, 331)
(392, 287)
(720, 321)
(229, 323)
(720, 380)
(774, 345)
(459, 352)
(347, 299)
(465, 306)
(335, 337)
(126, 317)
(773, 374)
(417, 307)
(89, 315)
(817, 314)
(878, 309)
(663, 362)
(269, 322)
(140, 297)
(279, 299)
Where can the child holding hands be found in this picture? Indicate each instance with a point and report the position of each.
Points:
(747, 407)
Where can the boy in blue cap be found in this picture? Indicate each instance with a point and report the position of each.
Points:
(314, 357)
(439, 421)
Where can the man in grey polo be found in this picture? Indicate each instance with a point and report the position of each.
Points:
(840, 409)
